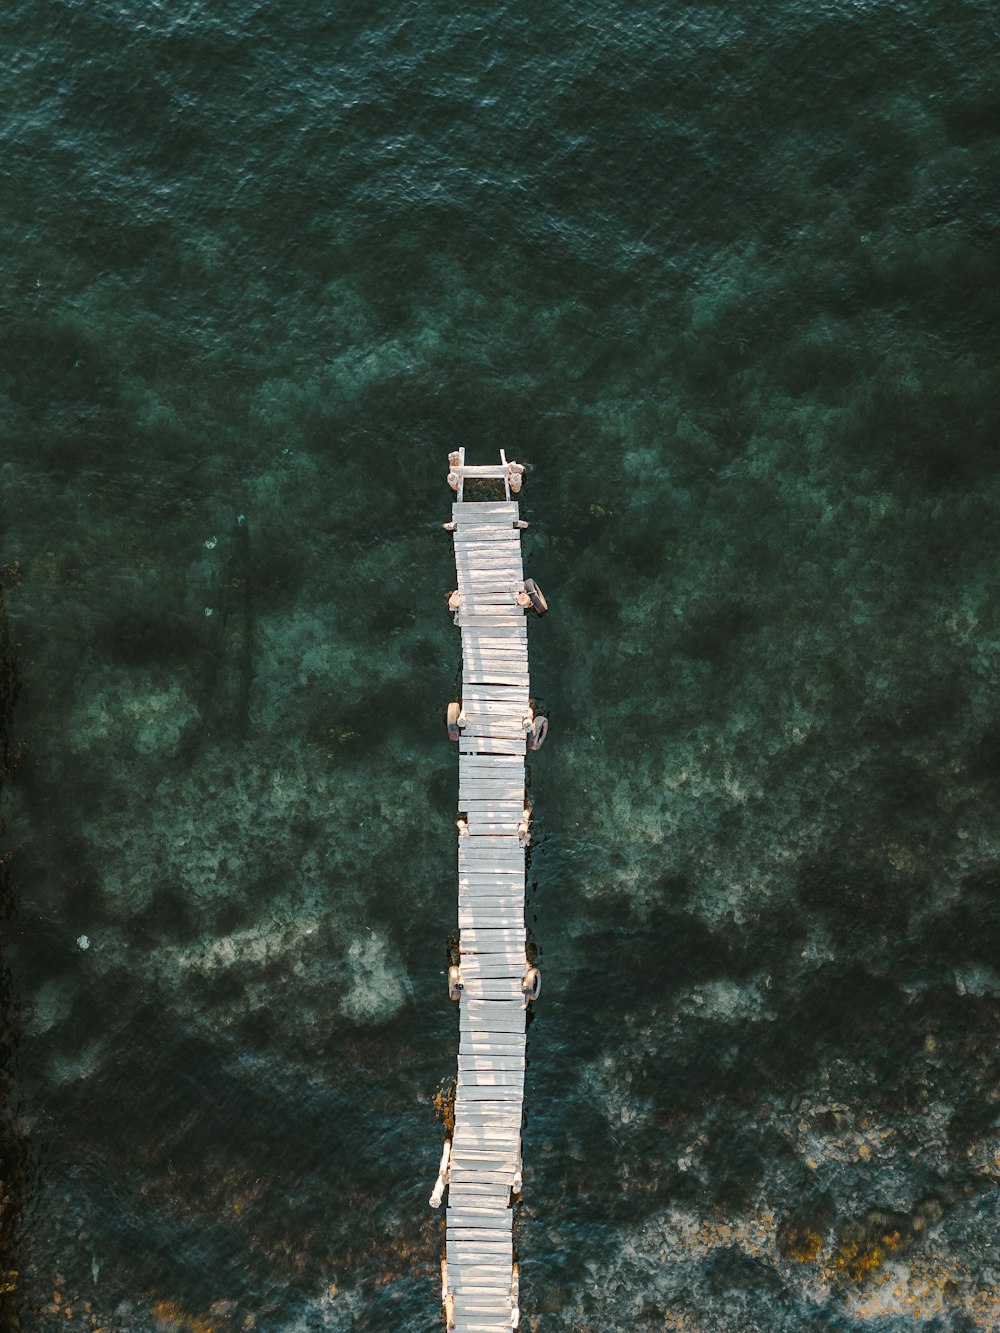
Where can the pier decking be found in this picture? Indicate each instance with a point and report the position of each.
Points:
(482, 1166)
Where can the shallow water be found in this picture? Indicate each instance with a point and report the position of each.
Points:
(726, 282)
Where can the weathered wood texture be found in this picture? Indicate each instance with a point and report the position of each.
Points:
(486, 1148)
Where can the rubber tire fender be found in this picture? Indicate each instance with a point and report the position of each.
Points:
(532, 983)
(538, 602)
(539, 730)
(454, 730)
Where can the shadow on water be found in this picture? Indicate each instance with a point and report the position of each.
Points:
(15, 1160)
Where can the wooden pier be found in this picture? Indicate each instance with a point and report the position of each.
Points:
(494, 725)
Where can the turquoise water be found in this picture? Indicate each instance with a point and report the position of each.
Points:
(726, 281)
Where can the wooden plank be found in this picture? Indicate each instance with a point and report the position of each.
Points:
(468, 1276)
(495, 1046)
(491, 1078)
(491, 768)
(479, 852)
(492, 898)
(469, 524)
(506, 1148)
(483, 920)
(502, 1024)
(492, 603)
(488, 819)
(503, 713)
(479, 1219)
(492, 1195)
(484, 672)
(494, 658)
(488, 781)
(511, 635)
(494, 1152)
(481, 666)
(480, 987)
(504, 992)
(504, 763)
(496, 637)
(498, 621)
(472, 1064)
(501, 523)
(491, 692)
(503, 891)
(479, 679)
(478, 798)
(506, 868)
(498, 1142)
(475, 913)
(471, 746)
(492, 940)
(492, 905)
(512, 969)
(491, 1120)
(494, 508)
(503, 878)
(491, 571)
(483, 1257)
(519, 957)
(510, 803)
(479, 795)
(483, 784)
(478, 702)
(507, 875)
(491, 1132)
(500, 865)
(500, 731)
(501, 854)
(473, 1315)
(487, 1256)
(485, 534)
(503, 1178)
(512, 654)
(506, 1018)
(500, 531)
(510, 861)
(473, 1188)
(490, 1308)
(486, 559)
(472, 1274)
(486, 1163)
(486, 793)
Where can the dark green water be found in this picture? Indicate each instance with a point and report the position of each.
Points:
(726, 279)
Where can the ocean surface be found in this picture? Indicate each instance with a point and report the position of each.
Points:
(726, 279)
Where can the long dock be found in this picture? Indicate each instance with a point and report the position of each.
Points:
(493, 982)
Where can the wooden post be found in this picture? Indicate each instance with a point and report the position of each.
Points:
(442, 1178)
